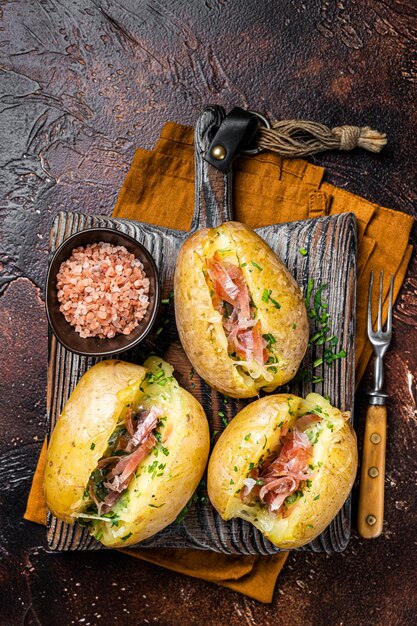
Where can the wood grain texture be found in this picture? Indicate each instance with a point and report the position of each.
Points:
(82, 85)
(326, 238)
(372, 486)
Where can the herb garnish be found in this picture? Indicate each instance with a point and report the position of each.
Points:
(267, 297)
(258, 267)
(317, 309)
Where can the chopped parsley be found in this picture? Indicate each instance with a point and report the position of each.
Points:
(247, 437)
(93, 445)
(303, 252)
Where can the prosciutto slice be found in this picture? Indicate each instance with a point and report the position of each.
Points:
(118, 470)
(282, 477)
(244, 334)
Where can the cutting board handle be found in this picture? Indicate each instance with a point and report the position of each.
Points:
(213, 190)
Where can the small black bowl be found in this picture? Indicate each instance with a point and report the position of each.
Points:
(93, 346)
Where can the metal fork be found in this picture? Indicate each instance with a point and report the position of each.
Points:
(371, 494)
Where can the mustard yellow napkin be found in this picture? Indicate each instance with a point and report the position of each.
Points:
(267, 189)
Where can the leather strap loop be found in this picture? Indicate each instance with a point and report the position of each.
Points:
(237, 132)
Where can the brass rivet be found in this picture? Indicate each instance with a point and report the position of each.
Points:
(371, 520)
(375, 438)
(373, 472)
(219, 153)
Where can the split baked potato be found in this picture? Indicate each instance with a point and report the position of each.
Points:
(127, 452)
(286, 465)
(240, 314)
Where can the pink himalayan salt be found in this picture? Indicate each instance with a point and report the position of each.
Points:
(103, 290)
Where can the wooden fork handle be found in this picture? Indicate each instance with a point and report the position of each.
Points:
(371, 493)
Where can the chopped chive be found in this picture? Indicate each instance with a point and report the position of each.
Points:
(232, 482)
(213, 436)
(317, 379)
(164, 301)
(310, 287)
(317, 497)
(317, 362)
(275, 303)
(126, 537)
(303, 251)
(93, 445)
(269, 338)
(265, 295)
(247, 437)
(258, 267)
(243, 264)
(192, 372)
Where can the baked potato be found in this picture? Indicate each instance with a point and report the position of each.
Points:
(240, 314)
(127, 452)
(286, 465)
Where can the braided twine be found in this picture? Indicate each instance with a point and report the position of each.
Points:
(298, 138)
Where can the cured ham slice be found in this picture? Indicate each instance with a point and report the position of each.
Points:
(243, 332)
(118, 469)
(283, 476)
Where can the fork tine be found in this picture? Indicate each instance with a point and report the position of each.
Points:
(371, 282)
(389, 321)
(381, 284)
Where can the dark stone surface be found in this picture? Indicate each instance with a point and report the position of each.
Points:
(82, 84)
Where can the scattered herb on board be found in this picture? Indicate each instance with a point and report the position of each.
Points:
(303, 252)
(320, 339)
(214, 435)
(192, 372)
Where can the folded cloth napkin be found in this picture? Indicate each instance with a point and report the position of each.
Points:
(267, 189)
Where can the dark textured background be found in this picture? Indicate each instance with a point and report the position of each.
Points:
(82, 84)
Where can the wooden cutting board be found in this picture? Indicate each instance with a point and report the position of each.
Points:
(331, 260)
